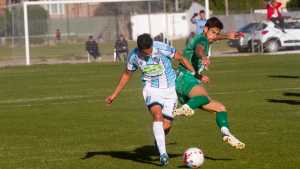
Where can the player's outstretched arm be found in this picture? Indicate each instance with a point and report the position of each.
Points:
(125, 77)
(184, 61)
(229, 36)
(201, 53)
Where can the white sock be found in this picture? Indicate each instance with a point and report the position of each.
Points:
(225, 131)
(159, 134)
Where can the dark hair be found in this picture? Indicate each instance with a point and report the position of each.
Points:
(144, 41)
(214, 22)
(202, 11)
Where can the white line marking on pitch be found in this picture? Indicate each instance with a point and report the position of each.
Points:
(56, 98)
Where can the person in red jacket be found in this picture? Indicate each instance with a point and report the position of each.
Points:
(273, 12)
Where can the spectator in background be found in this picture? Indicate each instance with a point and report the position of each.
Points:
(57, 35)
(121, 47)
(199, 21)
(100, 38)
(160, 38)
(274, 15)
(91, 47)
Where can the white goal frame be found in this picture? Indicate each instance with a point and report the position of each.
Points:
(29, 3)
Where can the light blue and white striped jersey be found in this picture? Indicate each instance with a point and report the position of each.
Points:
(157, 70)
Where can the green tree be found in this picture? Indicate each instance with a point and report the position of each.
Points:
(5, 23)
(293, 4)
(218, 6)
(38, 20)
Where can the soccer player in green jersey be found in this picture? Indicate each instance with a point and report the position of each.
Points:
(189, 87)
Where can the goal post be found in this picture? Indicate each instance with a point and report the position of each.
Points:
(28, 4)
(207, 12)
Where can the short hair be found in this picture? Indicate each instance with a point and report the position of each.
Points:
(144, 41)
(214, 22)
(201, 11)
(91, 37)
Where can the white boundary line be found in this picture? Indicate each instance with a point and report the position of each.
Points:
(56, 98)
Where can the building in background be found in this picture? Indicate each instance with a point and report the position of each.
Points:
(70, 10)
(2, 7)
(58, 10)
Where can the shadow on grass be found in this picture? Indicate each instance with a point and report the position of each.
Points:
(218, 159)
(284, 76)
(211, 158)
(145, 154)
(291, 94)
(286, 101)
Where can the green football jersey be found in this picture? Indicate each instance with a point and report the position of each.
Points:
(190, 54)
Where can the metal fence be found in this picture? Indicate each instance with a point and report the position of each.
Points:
(58, 32)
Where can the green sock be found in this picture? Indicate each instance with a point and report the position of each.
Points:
(221, 119)
(197, 102)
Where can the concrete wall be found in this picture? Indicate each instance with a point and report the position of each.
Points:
(173, 25)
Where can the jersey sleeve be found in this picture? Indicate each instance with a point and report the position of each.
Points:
(131, 61)
(201, 41)
(165, 49)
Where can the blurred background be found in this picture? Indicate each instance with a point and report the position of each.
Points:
(58, 31)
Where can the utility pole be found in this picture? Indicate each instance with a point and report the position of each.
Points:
(226, 8)
(176, 5)
(207, 13)
(166, 19)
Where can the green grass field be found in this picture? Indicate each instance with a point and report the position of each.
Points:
(54, 117)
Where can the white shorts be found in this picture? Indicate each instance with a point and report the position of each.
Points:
(167, 98)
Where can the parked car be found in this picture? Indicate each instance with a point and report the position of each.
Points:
(272, 38)
(244, 44)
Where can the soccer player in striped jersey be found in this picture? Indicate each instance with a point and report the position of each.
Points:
(190, 90)
(154, 59)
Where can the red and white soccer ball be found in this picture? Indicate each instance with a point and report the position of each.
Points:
(193, 157)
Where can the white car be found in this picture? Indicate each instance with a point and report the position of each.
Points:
(244, 43)
(272, 38)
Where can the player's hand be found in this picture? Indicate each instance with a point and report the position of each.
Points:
(239, 35)
(205, 62)
(204, 79)
(233, 35)
(109, 100)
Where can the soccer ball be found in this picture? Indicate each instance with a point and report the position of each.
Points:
(193, 157)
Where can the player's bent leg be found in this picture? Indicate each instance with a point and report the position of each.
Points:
(214, 106)
(222, 122)
(169, 107)
(198, 90)
(158, 131)
(198, 97)
(167, 123)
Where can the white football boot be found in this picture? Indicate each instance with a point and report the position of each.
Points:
(233, 141)
(184, 110)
